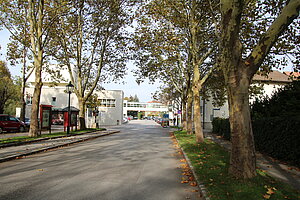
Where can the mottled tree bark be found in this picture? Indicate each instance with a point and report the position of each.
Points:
(197, 105)
(82, 108)
(242, 160)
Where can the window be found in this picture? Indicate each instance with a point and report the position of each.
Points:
(53, 102)
(110, 103)
(28, 99)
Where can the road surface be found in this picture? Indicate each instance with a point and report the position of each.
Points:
(140, 163)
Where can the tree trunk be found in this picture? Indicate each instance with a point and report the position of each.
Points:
(34, 126)
(197, 116)
(36, 35)
(22, 99)
(189, 112)
(23, 105)
(183, 116)
(82, 124)
(242, 160)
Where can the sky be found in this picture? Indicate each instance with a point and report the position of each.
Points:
(143, 91)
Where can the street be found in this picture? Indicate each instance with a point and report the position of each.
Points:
(138, 163)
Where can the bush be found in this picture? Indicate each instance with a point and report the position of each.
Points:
(221, 127)
(278, 138)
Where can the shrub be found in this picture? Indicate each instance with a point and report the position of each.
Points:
(221, 127)
(278, 138)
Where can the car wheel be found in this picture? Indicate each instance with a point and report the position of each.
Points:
(22, 129)
(1, 130)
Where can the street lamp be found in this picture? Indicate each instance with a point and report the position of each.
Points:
(69, 88)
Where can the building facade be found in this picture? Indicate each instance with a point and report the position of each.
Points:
(110, 111)
(138, 110)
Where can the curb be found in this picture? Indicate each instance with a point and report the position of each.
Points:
(200, 184)
(53, 147)
(41, 139)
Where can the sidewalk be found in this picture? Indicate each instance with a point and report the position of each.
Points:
(288, 174)
(19, 151)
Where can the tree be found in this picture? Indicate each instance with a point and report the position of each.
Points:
(241, 57)
(7, 87)
(160, 49)
(38, 22)
(169, 48)
(92, 44)
(18, 53)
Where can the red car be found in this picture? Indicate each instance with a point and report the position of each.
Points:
(10, 123)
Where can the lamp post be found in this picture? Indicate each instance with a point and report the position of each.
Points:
(69, 88)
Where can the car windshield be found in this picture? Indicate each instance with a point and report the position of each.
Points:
(12, 119)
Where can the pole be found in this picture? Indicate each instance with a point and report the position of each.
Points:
(69, 115)
(203, 120)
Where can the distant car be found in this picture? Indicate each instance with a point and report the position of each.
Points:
(10, 123)
(125, 120)
(57, 121)
(26, 121)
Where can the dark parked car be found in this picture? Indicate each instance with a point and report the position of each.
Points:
(10, 123)
(26, 121)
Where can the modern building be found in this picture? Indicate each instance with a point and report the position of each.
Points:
(110, 111)
(138, 110)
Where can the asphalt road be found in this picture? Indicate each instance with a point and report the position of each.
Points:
(138, 163)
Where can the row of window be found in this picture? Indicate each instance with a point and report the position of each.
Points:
(139, 105)
(110, 103)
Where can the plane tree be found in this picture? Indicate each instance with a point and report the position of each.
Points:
(175, 40)
(251, 32)
(34, 17)
(159, 53)
(91, 40)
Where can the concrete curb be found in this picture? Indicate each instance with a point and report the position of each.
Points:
(200, 184)
(40, 139)
(21, 155)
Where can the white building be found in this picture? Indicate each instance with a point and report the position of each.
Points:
(54, 93)
(143, 109)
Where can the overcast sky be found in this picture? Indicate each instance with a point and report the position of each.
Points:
(130, 87)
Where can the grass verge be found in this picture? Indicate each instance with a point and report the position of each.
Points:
(20, 139)
(210, 162)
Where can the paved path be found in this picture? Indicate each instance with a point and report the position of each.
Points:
(140, 163)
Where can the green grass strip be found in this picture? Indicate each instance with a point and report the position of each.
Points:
(19, 139)
(210, 162)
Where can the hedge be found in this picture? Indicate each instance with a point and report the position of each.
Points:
(277, 137)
